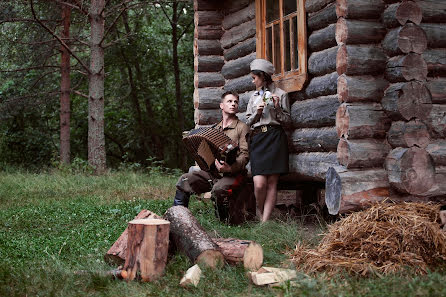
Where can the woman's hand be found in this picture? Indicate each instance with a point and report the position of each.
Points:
(276, 100)
(260, 107)
(222, 166)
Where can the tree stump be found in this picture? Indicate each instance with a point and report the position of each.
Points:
(147, 248)
(188, 236)
(246, 252)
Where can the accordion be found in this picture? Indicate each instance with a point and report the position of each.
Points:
(207, 144)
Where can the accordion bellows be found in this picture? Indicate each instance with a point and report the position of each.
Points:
(207, 144)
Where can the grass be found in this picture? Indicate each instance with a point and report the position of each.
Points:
(53, 225)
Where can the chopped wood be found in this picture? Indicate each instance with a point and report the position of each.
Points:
(191, 277)
(404, 40)
(272, 275)
(407, 67)
(261, 279)
(189, 237)
(436, 121)
(401, 13)
(408, 134)
(148, 244)
(118, 251)
(238, 251)
(436, 87)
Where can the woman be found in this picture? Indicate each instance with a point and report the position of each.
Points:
(268, 109)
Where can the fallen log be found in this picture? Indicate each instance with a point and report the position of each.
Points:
(407, 100)
(400, 13)
(187, 235)
(404, 40)
(237, 251)
(405, 68)
(361, 88)
(362, 153)
(408, 134)
(118, 251)
(410, 170)
(147, 248)
(355, 121)
(358, 32)
(359, 60)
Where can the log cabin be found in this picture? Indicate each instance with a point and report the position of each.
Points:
(366, 81)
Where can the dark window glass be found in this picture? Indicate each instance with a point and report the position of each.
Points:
(272, 10)
(269, 44)
(296, 56)
(277, 56)
(289, 6)
(286, 35)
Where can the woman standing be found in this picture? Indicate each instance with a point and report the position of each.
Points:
(268, 109)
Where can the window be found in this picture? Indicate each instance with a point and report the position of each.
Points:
(281, 39)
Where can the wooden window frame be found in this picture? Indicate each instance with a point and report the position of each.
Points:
(293, 80)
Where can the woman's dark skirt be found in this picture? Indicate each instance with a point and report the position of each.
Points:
(268, 151)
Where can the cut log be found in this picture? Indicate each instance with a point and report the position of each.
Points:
(362, 153)
(437, 150)
(207, 116)
(406, 68)
(240, 50)
(436, 61)
(354, 121)
(118, 251)
(359, 9)
(209, 63)
(237, 251)
(410, 170)
(242, 16)
(400, 13)
(357, 32)
(207, 47)
(315, 140)
(209, 32)
(200, 5)
(272, 275)
(322, 39)
(407, 100)
(261, 279)
(316, 5)
(436, 34)
(351, 190)
(207, 98)
(434, 11)
(436, 122)
(312, 166)
(437, 89)
(240, 84)
(358, 60)
(315, 113)
(238, 33)
(408, 134)
(232, 6)
(322, 85)
(323, 62)
(208, 79)
(322, 18)
(238, 67)
(243, 101)
(147, 248)
(404, 40)
(189, 237)
(211, 17)
(361, 88)
(192, 276)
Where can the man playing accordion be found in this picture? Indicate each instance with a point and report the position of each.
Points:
(201, 181)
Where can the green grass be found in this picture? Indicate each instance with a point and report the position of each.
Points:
(55, 225)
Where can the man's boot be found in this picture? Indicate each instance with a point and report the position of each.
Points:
(181, 198)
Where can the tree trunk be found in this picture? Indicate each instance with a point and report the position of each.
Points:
(148, 246)
(189, 237)
(96, 138)
(410, 170)
(65, 88)
(246, 252)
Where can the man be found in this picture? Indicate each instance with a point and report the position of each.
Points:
(201, 181)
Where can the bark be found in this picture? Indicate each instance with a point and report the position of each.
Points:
(207, 116)
(322, 39)
(405, 68)
(408, 134)
(436, 34)
(208, 47)
(208, 79)
(436, 87)
(437, 150)
(210, 32)
(434, 11)
(239, 33)
(240, 84)
(359, 9)
(188, 236)
(315, 113)
(362, 153)
(65, 86)
(207, 98)
(436, 61)
(401, 13)
(312, 166)
(323, 62)
(410, 170)
(315, 5)
(240, 50)
(404, 101)
(209, 63)
(322, 85)
(322, 18)
(148, 245)
(96, 138)
(361, 88)
(357, 32)
(314, 140)
(356, 121)
(237, 251)
(436, 121)
(237, 67)
(358, 60)
(242, 16)
(351, 190)
(404, 40)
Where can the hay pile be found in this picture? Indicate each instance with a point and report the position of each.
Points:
(385, 238)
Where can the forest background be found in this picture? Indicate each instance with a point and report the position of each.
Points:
(123, 99)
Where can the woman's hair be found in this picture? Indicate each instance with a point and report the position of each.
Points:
(265, 76)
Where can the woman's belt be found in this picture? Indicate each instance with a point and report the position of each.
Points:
(264, 129)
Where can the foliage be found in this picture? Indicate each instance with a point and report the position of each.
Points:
(55, 229)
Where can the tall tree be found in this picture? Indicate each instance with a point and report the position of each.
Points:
(65, 86)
